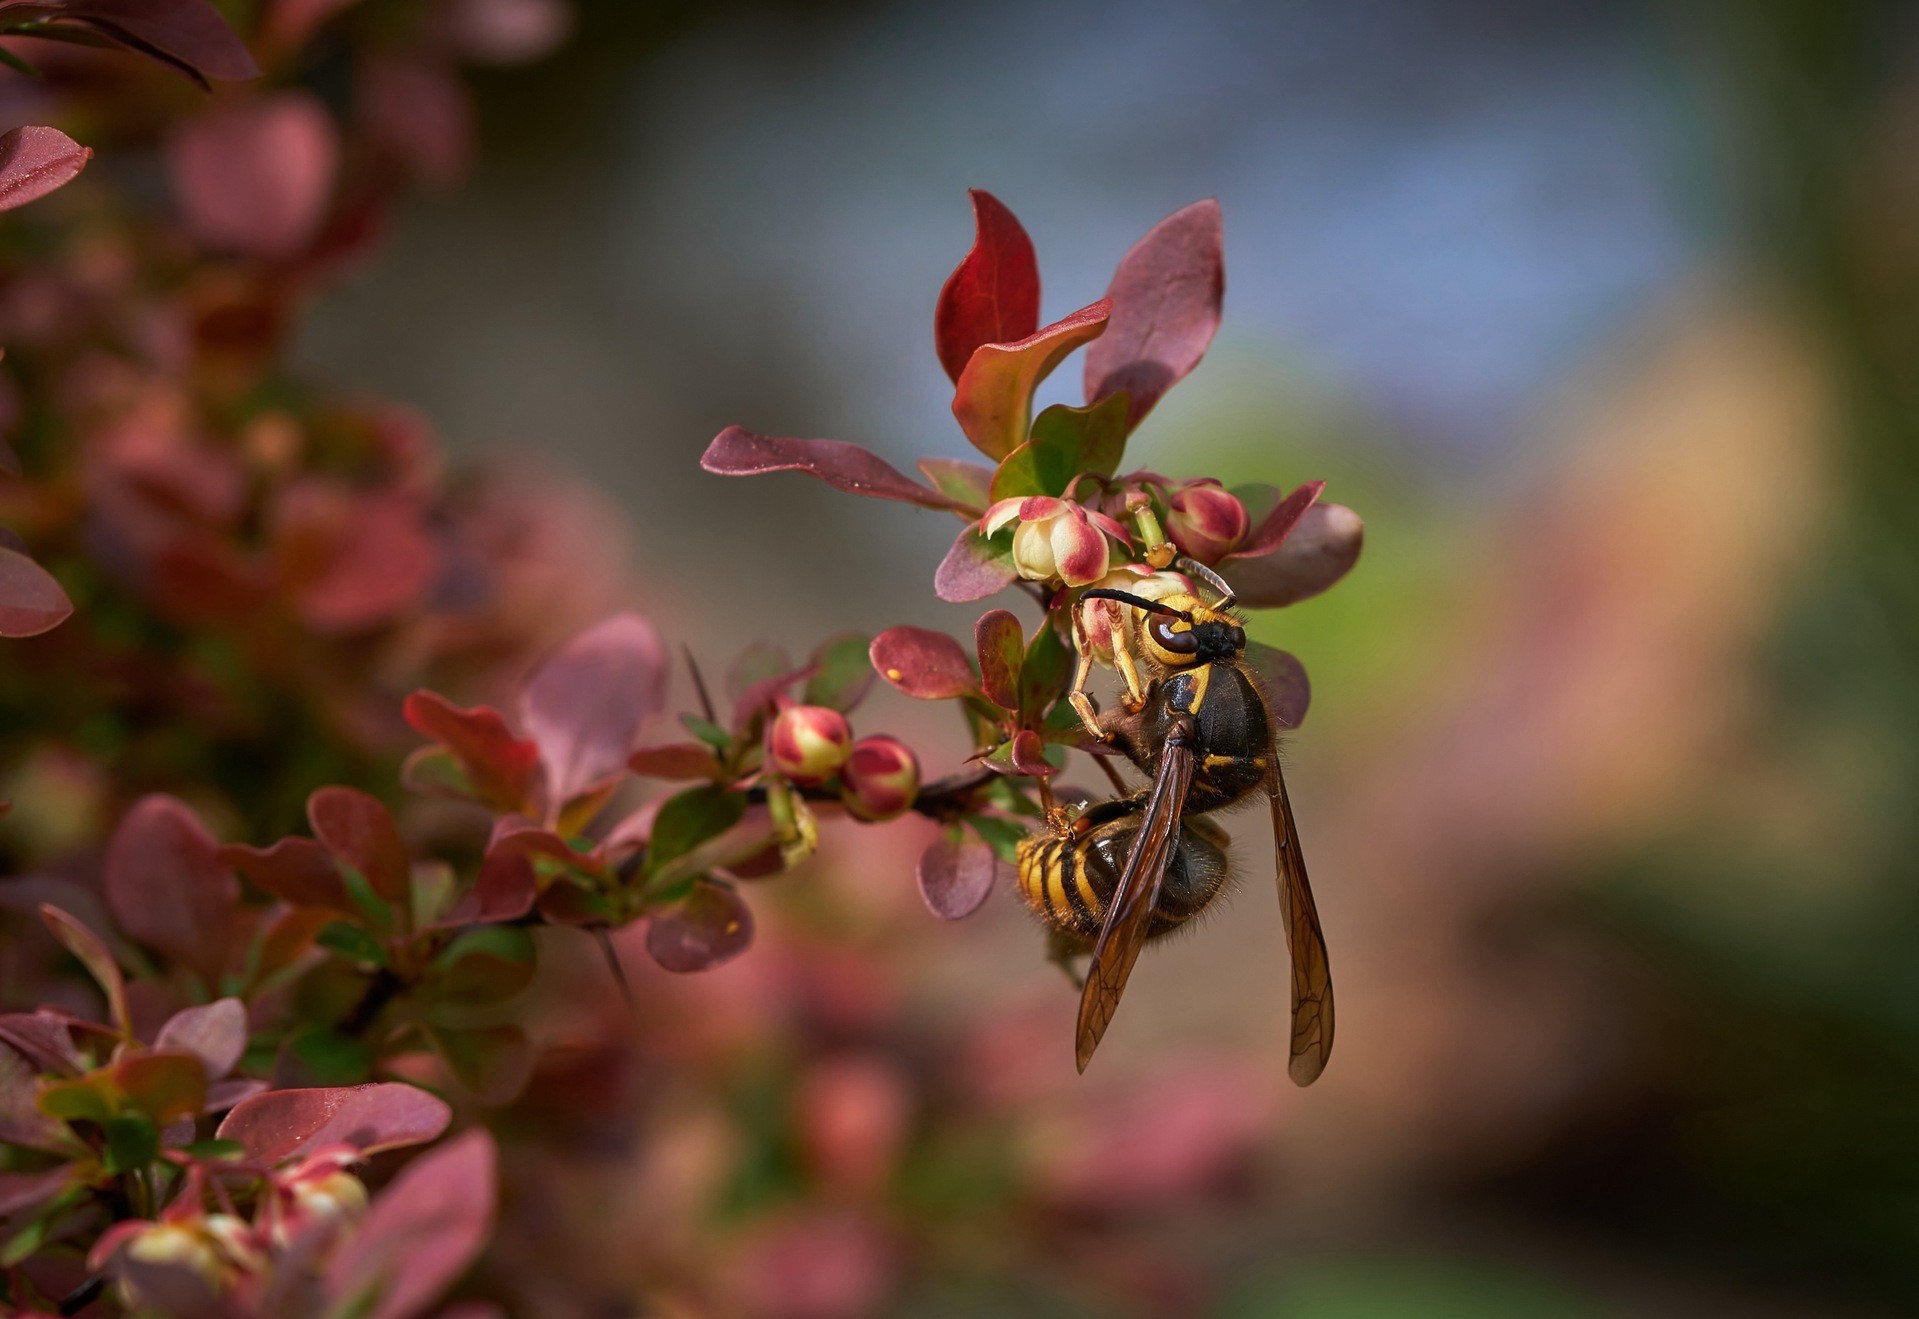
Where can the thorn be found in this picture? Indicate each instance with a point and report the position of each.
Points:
(699, 686)
(612, 956)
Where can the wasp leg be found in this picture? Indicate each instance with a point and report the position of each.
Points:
(1061, 949)
(1076, 694)
(1134, 698)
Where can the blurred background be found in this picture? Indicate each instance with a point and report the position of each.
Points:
(1603, 316)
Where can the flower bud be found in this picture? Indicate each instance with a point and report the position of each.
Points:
(317, 1193)
(217, 1248)
(880, 778)
(808, 743)
(1206, 522)
(1056, 541)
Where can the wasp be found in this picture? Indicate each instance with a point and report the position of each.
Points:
(1126, 871)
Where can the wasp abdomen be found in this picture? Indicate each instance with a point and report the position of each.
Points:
(1068, 879)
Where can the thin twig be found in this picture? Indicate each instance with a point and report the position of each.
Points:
(612, 956)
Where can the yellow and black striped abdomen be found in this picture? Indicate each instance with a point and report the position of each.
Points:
(1054, 880)
(1068, 878)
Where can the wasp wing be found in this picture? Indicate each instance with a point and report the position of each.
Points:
(1312, 979)
(1129, 919)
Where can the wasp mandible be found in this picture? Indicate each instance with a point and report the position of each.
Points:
(1126, 871)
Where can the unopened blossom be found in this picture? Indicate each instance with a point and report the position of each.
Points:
(316, 1191)
(1205, 521)
(1055, 540)
(809, 743)
(880, 779)
(217, 1248)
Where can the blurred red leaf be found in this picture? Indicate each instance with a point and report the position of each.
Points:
(359, 832)
(1028, 754)
(43, 1038)
(353, 560)
(503, 31)
(504, 890)
(1282, 684)
(1165, 297)
(187, 35)
(31, 601)
(165, 1084)
(585, 704)
(216, 1032)
(168, 888)
(297, 870)
(34, 161)
(280, 1124)
(680, 760)
(1323, 547)
(24, 1190)
(421, 1233)
(993, 295)
(502, 768)
(712, 926)
(1002, 649)
(21, 1121)
(973, 569)
(420, 114)
(923, 663)
(1271, 531)
(993, 400)
(737, 451)
(96, 957)
(956, 872)
(493, 1063)
(255, 178)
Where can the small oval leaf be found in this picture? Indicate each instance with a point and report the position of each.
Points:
(956, 872)
(923, 663)
(712, 926)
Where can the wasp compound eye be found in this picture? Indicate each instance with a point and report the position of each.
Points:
(1179, 643)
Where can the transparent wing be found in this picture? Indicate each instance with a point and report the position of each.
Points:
(1312, 978)
(1130, 917)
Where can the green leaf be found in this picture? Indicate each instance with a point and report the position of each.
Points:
(689, 819)
(215, 1151)
(327, 1057)
(352, 943)
(708, 732)
(81, 1099)
(1005, 794)
(485, 966)
(1090, 439)
(365, 900)
(1003, 836)
(434, 885)
(17, 64)
(842, 673)
(1043, 675)
(493, 1062)
(132, 1142)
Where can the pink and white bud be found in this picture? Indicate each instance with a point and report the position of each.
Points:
(316, 1191)
(1056, 540)
(809, 743)
(216, 1248)
(880, 779)
(1206, 522)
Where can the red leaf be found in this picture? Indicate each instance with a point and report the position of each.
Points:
(359, 832)
(352, 560)
(968, 485)
(1277, 525)
(585, 704)
(923, 663)
(681, 760)
(713, 925)
(255, 178)
(25, 1190)
(281, 1124)
(994, 398)
(216, 1031)
(421, 1233)
(1321, 549)
(45, 1039)
(168, 888)
(1282, 684)
(1166, 298)
(1029, 754)
(502, 768)
(993, 296)
(737, 451)
(297, 870)
(189, 35)
(420, 113)
(31, 602)
(955, 874)
(166, 1085)
(505, 890)
(973, 569)
(1002, 649)
(34, 161)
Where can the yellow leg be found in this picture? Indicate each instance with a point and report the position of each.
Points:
(1081, 702)
(1135, 697)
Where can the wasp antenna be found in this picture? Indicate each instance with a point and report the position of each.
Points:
(1194, 568)
(1137, 602)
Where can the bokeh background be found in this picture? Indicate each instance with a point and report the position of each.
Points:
(1606, 319)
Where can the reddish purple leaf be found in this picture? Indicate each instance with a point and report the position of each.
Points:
(1002, 649)
(737, 451)
(168, 888)
(955, 874)
(973, 569)
(255, 178)
(680, 760)
(296, 870)
(1281, 682)
(1166, 299)
(376, 558)
(24, 1190)
(96, 957)
(993, 296)
(420, 113)
(281, 1124)
(712, 926)
(189, 35)
(923, 663)
(1028, 754)
(216, 1031)
(166, 1085)
(585, 704)
(1321, 549)
(45, 1039)
(968, 485)
(1272, 530)
(34, 161)
(31, 602)
(502, 768)
(421, 1233)
(358, 831)
(505, 890)
(21, 1121)
(994, 398)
